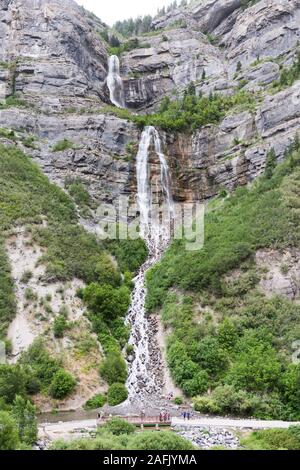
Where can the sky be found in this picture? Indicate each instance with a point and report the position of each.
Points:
(111, 11)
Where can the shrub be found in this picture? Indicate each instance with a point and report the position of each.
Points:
(118, 427)
(44, 367)
(159, 441)
(129, 349)
(63, 145)
(96, 402)
(130, 254)
(26, 276)
(178, 401)
(117, 393)
(62, 384)
(106, 301)
(273, 439)
(114, 368)
(106, 272)
(60, 325)
(103, 442)
(77, 190)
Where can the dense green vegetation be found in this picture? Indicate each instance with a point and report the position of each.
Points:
(45, 373)
(117, 434)
(190, 112)
(27, 198)
(226, 334)
(130, 254)
(96, 402)
(62, 145)
(117, 393)
(118, 48)
(273, 439)
(142, 25)
(80, 195)
(18, 427)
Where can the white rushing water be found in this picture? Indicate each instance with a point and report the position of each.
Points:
(146, 375)
(115, 83)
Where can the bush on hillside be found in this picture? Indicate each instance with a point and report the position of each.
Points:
(117, 393)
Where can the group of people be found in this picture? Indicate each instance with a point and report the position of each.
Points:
(164, 417)
(186, 415)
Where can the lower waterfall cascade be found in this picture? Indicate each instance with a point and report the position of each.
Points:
(146, 374)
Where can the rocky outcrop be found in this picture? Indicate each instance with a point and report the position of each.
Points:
(99, 155)
(173, 59)
(57, 54)
(57, 62)
(283, 273)
(212, 13)
(234, 152)
(268, 29)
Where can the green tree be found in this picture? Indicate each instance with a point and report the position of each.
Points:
(62, 384)
(290, 382)
(60, 325)
(117, 393)
(114, 368)
(107, 301)
(9, 439)
(239, 66)
(256, 367)
(118, 427)
(24, 413)
(227, 335)
(210, 356)
(12, 382)
(107, 272)
(271, 161)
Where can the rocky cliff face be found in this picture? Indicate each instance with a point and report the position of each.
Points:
(53, 58)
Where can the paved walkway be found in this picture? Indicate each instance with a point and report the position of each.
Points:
(233, 423)
(60, 429)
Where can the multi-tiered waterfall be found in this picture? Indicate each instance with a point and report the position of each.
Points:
(114, 82)
(146, 375)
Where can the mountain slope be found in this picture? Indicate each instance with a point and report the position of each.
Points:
(232, 309)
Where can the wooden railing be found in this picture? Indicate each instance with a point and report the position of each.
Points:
(138, 421)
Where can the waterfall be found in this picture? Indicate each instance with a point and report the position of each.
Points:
(144, 195)
(114, 82)
(146, 377)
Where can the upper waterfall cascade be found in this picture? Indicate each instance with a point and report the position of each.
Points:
(115, 83)
(146, 377)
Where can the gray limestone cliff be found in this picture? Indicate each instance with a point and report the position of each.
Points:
(53, 59)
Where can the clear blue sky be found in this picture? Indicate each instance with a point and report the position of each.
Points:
(111, 11)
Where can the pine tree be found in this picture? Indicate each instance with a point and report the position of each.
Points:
(24, 413)
(271, 163)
